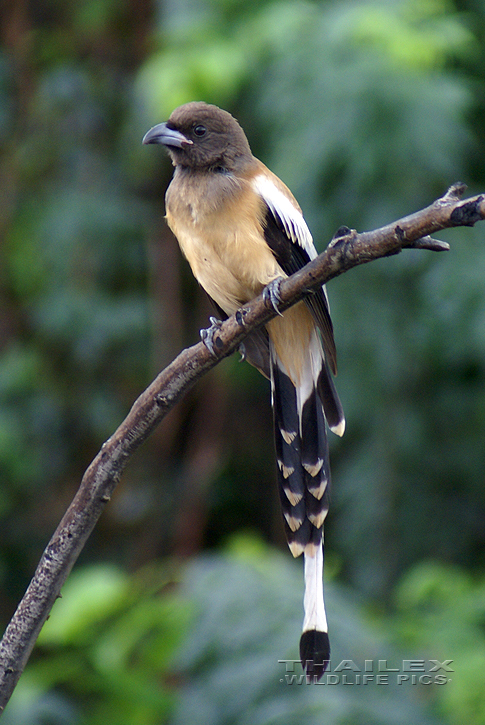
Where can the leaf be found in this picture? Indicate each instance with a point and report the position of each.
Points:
(89, 597)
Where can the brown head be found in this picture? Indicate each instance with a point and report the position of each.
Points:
(200, 136)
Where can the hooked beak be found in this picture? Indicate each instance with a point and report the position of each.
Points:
(166, 136)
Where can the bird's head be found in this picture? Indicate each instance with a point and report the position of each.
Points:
(200, 136)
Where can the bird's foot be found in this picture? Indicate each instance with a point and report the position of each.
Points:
(271, 294)
(208, 336)
(240, 315)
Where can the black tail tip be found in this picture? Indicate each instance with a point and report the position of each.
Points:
(314, 653)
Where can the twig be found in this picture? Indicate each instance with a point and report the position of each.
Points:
(346, 250)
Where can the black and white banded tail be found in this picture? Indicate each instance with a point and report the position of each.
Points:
(301, 401)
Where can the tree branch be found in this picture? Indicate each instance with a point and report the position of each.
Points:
(346, 250)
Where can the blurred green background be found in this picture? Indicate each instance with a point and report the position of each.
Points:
(186, 596)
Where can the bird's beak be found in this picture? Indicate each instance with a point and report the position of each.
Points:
(166, 136)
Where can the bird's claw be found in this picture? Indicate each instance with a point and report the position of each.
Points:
(208, 336)
(271, 294)
(240, 315)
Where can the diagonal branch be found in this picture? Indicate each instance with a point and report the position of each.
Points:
(346, 250)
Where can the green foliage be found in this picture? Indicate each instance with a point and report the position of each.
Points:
(417, 422)
(90, 595)
(105, 652)
(249, 619)
(367, 148)
(209, 650)
(420, 35)
(442, 608)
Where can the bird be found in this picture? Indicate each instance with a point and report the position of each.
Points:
(242, 231)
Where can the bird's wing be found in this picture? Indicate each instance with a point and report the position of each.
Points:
(290, 240)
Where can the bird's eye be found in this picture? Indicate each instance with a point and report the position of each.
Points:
(200, 130)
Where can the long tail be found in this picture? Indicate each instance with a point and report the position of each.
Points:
(300, 404)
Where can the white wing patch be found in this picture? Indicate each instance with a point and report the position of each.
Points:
(282, 209)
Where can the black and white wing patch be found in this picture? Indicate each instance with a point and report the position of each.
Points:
(290, 240)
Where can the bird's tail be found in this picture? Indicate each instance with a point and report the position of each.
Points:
(302, 399)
